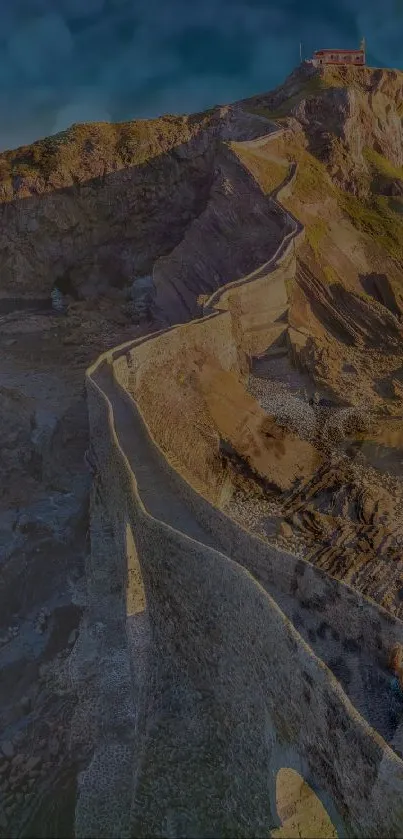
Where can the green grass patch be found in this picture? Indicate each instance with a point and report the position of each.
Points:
(268, 173)
(24, 170)
(330, 274)
(315, 233)
(307, 90)
(268, 114)
(68, 152)
(382, 166)
(30, 161)
(375, 218)
(312, 181)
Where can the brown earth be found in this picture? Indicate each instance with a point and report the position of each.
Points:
(271, 451)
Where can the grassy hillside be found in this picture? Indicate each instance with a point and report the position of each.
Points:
(305, 89)
(90, 149)
(269, 173)
(376, 219)
(365, 185)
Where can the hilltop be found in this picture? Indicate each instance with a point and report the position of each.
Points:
(351, 117)
(124, 180)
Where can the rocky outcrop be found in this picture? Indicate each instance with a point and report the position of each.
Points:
(353, 531)
(178, 538)
(343, 111)
(241, 226)
(190, 558)
(180, 595)
(93, 202)
(350, 318)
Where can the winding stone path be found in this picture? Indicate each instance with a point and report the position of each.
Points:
(365, 682)
(360, 674)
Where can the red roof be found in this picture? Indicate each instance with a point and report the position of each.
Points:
(321, 52)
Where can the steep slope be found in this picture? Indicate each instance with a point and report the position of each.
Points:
(345, 133)
(330, 103)
(345, 317)
(179, 718)
(191, 713)
(60, 220)
(92, 202)
(240, 225)
(182, 206)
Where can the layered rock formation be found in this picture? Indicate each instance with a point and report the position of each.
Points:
(179, 536)
(243, 582)
(207, 402)
(330, 103)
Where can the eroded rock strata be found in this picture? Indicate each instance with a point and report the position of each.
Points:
(245, 466)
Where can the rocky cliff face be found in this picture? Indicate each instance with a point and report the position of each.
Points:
(96, 219)
(87, 210)
(345, 133)
(135, 222)
(241, 226)
(343, 112)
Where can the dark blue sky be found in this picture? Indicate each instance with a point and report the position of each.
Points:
(65, 61)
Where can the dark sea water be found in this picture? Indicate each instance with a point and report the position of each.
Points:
(65, 61)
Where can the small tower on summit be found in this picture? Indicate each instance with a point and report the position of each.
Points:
(338, 56)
